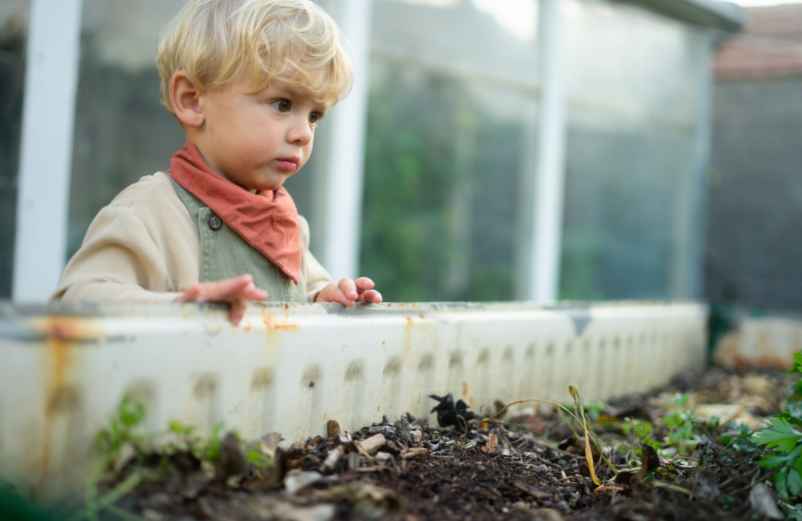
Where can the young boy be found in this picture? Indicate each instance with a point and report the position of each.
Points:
(249, 81)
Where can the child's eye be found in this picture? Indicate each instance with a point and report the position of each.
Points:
(315, 116)
(281, 105)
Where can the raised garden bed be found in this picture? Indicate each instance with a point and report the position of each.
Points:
(686, 452)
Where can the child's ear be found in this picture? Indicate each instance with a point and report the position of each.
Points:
(185, 100)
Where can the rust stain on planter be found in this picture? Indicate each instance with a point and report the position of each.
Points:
(62, 334)
(278, 325)
(409, 323)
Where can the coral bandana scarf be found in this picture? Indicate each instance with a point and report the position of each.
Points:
(267, 221)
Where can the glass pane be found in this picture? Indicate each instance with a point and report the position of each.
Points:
(449, 146)
(753, 255)
(631, 149)
(13, 35)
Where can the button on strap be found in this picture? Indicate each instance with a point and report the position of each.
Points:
(215, 223)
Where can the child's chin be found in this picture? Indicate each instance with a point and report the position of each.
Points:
(267, 182)
(270, 186)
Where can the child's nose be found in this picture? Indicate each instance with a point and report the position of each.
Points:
(300, 133)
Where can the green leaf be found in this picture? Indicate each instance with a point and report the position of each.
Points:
(781, 483)
(793, 408)
(773, 462)
(794, 483)
(673, 420)
(212, 448)
(176, 427)
(257, 458)
(779, 434)
(797, 362)
(681, 400)
(796, 462)
(131, 412)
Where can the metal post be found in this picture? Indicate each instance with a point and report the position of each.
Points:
(343, 166)
(46, 149)
(689, 219)
(542, 274)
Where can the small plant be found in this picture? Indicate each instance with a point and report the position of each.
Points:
(782, 440)
(682, 427)
(677, 432)
(739, 437)
(642, 430)
(187, 439)
(122, 431)
(256, 457)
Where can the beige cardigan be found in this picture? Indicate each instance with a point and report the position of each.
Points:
(144, 246)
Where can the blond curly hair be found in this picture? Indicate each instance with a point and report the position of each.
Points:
(215, 42)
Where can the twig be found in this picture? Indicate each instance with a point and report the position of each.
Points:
(671, 486)
(122, 514)
(501, 412)
(109, 499)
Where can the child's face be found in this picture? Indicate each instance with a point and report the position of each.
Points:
(258, 140)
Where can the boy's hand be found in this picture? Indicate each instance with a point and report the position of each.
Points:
(236, 292)
(349, 291)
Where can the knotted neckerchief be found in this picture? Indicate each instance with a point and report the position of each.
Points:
(267, 221)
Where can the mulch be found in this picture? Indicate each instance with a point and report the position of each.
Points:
(525, 467)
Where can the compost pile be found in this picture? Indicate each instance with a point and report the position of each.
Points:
(679, 453)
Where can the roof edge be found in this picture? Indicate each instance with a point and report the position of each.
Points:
(708, 13)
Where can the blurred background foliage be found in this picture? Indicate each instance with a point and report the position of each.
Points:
(439, 178)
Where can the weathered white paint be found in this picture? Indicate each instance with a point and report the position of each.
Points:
(45, 159)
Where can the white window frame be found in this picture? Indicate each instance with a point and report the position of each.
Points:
(51, 78)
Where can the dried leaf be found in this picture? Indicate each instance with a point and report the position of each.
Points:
(589, 459)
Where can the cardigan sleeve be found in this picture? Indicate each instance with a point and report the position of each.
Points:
(141, 247)
(118, 260)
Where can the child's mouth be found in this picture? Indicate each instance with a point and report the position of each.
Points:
(286, 165)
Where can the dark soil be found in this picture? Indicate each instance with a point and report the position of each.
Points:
(530, 467)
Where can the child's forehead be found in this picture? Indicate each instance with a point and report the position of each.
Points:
(293, 90)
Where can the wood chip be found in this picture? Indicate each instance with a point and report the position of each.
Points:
(332, 458)
(491, 445)
(414, 452)
(333, 429)
(372, 444)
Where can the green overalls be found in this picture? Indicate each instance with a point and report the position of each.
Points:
(223, 254)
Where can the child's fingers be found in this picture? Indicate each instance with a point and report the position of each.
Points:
(253, 293)
(341, 298)
(364, 284)
(190, 294)
(227, 290)
(371, 296)
(236, 312)
(348, 288)
(332, 293)
(222, 289)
